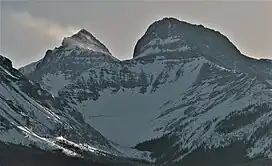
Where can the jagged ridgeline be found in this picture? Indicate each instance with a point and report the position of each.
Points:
(187, 97)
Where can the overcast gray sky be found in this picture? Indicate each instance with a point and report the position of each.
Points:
(29, 28)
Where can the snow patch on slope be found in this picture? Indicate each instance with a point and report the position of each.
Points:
(87, 46)
(58, 80)
(108, 116)
(156, 50)
(8, 73)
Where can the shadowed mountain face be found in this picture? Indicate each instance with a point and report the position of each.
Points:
(187, 97)
(16, 155)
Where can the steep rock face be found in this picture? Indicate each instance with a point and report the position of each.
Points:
(187, 89)
(5, 62)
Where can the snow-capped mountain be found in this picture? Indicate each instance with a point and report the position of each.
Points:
(32, 117)
(26, 109)
(56, 69)
(188, 95)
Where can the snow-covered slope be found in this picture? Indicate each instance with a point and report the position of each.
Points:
(31, 116)
(188, 94)
(26, 108)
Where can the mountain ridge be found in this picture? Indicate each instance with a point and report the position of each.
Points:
(187, 88)
(32, 117)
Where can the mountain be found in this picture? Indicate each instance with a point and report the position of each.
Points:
(31, 117)
(188, 95)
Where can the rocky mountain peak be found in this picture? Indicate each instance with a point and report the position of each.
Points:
(85, 40)
(5, 62)
(168, 33)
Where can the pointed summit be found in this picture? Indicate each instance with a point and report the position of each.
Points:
(85, 40)
(84, 31)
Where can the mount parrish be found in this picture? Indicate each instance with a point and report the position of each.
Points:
(188, 96)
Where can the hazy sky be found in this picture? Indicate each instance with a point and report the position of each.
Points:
(29, 28)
